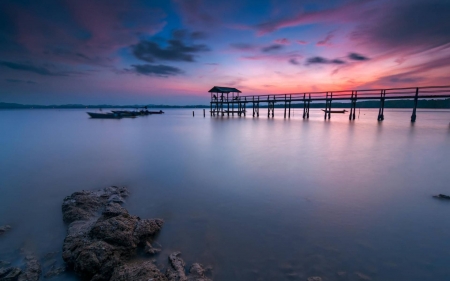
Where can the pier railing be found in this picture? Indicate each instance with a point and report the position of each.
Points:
(222, 106)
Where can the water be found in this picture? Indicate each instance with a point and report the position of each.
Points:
(255, 198)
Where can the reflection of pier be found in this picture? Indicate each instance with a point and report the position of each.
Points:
(224, 100)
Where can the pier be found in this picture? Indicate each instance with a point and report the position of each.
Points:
(224, 100)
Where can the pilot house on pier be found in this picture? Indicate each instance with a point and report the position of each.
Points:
(224, 97)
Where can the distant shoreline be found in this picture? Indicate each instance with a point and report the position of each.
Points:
(430, 104)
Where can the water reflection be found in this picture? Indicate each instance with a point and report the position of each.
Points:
(256, 198)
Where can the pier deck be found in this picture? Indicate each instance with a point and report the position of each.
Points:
(220, 102)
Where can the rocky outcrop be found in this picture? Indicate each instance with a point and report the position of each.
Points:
(85, 205)
(176, 271)
(103, 237)
(147, 270)
(32, 269)
(102, 234)
(140, 271)
(4, 229)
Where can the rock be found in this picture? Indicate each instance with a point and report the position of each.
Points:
(197, 273)
(54, 271)
(87, 204)
(32, 269)
(9, 273)
(149, 249)
(116, 230)
(4, 229)
(176, 272)
(442, 196)
(314, 278)
(102, 235)
(141, 271)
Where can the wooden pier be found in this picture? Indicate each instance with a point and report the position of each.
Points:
(224, 98)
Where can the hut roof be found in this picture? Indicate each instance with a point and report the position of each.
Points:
(217, 89)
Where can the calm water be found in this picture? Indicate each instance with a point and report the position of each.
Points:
(256, 199)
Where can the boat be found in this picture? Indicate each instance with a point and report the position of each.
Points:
(334, 111)
(126, 113)
(104, 115)
(155, 112)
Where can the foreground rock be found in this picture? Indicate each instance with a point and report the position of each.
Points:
(146, 270)
(9, 273)
(4, 229)
(103, 236)
(32, 270)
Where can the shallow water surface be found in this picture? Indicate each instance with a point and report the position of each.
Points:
(255, 198)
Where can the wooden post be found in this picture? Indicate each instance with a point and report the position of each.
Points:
(416, 98)
(329, 105)
(290, 99)
(351, 107)
(354, 104)
(304, 106)
(326, 107)
(204, 113)
(245, 105)
(192, 113)
(268, 107)
(309, 104)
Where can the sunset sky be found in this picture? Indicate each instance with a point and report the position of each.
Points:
(173, 52)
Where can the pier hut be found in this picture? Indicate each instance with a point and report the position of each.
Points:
(224, 97)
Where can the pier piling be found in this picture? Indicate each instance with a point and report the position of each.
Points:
(416, 97)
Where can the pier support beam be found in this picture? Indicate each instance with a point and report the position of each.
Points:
(290, 100)
(416, 98)
(381, 110)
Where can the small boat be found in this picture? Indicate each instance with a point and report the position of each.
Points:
(334, 111)
(442, 196)
(155, 112)
(126, 113)
(104, 115)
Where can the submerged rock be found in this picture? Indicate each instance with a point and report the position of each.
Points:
(176, 272)
(9, 273)
(140, 271)
(32, 269)
(86, 204)
(442, 196)
(4, 229)
(314, 278)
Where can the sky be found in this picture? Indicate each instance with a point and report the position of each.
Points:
(174, 51)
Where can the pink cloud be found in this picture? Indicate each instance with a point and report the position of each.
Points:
(283, 41)
(326, 40)
(301, 42)
(345, 13)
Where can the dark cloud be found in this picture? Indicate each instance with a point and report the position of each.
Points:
(272, 48)
(294, 62)
(30, 68)
(416, 25)
(156, 70)
(355, 56)
(321, 60)
(182, 34)
(176, 50)
(20, 81)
